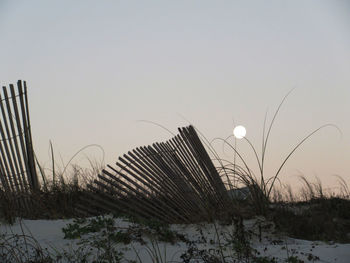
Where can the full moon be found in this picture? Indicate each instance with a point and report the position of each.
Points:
(239, 132)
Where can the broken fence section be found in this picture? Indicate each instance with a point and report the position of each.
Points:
(172, 181)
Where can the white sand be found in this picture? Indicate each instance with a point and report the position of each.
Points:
(49, 235)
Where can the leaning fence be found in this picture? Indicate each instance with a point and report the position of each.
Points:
(18, 175)
(172, 181)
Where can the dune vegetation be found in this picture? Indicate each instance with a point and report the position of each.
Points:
(231, 224)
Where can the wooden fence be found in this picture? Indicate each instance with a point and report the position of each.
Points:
(173, 181)
(17, 165)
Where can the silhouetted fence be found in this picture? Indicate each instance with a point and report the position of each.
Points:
(173, 181)
(17, 165)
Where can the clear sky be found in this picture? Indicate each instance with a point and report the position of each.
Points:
(96, 67)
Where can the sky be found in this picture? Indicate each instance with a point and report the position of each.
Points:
(94, 69)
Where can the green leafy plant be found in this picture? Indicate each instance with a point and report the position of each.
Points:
(100, 234)
(156, 230)
(264, 260)
(293, 259)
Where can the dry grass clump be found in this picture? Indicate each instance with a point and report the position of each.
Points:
(325, 219)
(22, 248)
(61, 190)
(314, 213)
(262, 188)
(55, 200)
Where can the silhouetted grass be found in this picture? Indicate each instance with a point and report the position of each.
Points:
(261, 187)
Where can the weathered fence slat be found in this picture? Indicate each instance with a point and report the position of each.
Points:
(29, 142)
(7, 140)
